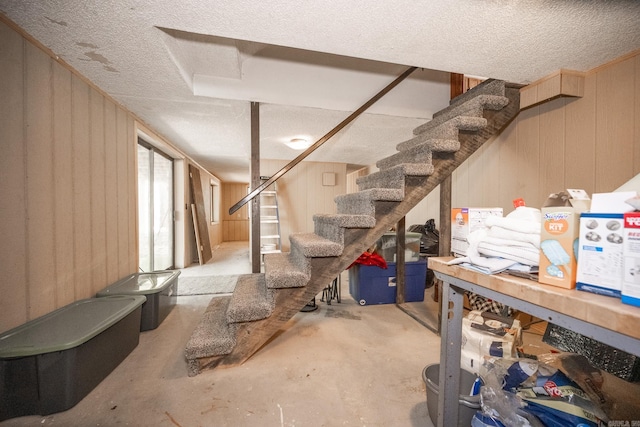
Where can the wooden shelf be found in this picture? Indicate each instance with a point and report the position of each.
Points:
(602, 318)
(606, 312)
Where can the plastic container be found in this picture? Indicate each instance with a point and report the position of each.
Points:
(159, 287)
(50, 363)
(467, 405)
(386, 246)
(370, 284)
(481, 420)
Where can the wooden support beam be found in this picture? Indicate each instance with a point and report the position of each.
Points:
(457, 88)
(400, 267)
(255, 183)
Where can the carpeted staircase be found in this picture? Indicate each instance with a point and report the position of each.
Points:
(234, 327)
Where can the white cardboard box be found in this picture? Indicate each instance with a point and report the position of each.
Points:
(600, 249)
(631, 273)
(465, 221)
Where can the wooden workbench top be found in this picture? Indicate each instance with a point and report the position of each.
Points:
(607, 312)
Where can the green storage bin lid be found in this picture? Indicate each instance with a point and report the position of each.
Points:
(388, 239)
(407, 235)
(141, 283)
(67, 327)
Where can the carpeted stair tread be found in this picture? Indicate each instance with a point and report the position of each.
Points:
(251, 300)
(448, 130)
(363, 202)
(282, 272)
(487, 87)
(394, 177)
(213, 336)
(421, 153)
(332, 226)
(474, 107)
(346, 220)
(470, 123)
(314, 246)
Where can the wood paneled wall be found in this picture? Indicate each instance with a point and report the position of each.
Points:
(67, 186)
(234, 227)
(68, 197)
(352, 178)
(591, 143)
(301, 194)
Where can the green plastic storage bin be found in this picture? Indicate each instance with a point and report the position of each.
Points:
(49, 364)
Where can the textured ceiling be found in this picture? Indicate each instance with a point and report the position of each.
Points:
(188, 69)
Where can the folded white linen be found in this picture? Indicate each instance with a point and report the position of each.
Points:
(480, 269)
(509, 242)
(505, 233)
(528, 256)
(486, 265)
(515, 224)
(502, 243)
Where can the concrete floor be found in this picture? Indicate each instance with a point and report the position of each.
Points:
(341, 365)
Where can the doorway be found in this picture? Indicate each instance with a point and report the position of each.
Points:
(155, 208)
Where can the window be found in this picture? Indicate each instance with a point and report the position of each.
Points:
(215, 202)
(155, 208)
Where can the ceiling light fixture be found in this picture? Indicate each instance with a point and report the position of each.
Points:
(298, 143)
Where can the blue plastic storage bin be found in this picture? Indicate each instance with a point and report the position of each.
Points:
(374, 285)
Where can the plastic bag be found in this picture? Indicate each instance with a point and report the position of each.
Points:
(368, 258)
(429, 244)
(430, 240)
(616, 397)
(487, 334)
(539, 390)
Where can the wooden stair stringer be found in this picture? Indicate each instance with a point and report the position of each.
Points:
(251, 336)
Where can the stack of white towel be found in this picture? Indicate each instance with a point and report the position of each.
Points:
(510, 242)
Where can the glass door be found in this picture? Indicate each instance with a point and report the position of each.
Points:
(155, 208)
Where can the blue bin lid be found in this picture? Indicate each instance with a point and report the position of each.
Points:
(67, 327)
(141, 283)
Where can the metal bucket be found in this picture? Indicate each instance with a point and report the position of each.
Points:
(467, 405)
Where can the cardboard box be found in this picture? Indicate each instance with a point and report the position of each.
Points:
(600, 259)
(559, 237)
(631, 259)
(465, 221)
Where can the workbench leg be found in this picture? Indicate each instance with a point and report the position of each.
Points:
(450, 339)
